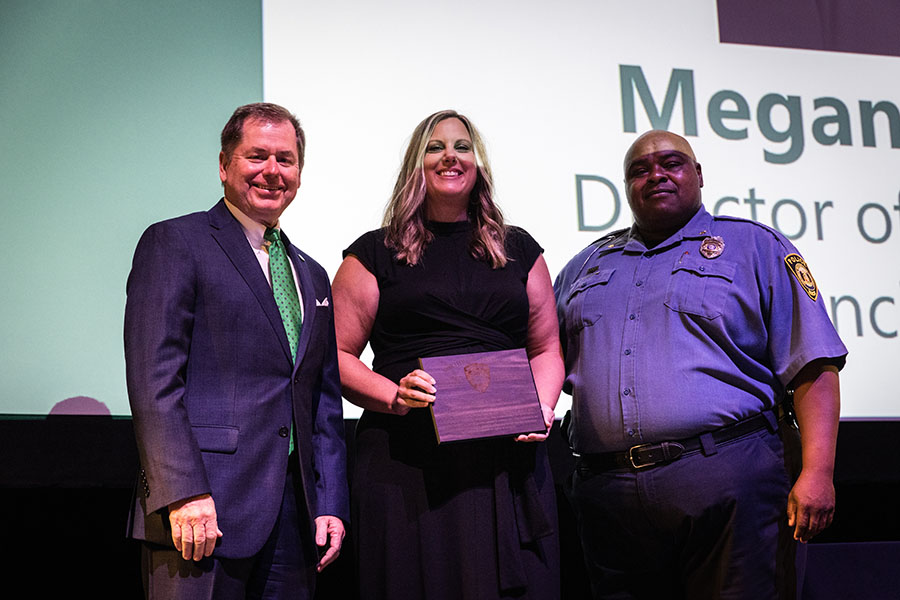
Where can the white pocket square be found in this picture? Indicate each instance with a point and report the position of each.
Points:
(322, 302)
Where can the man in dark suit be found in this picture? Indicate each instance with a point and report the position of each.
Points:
(234, 388)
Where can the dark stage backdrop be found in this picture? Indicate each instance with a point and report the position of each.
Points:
(65, 487)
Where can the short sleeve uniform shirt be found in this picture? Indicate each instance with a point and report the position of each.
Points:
(669, 342)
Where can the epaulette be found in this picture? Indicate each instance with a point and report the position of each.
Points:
(594, 247)
(793, 260)
(779, 237)
(610, 236)
(747, 221)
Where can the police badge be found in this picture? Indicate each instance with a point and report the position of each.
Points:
(712, 246)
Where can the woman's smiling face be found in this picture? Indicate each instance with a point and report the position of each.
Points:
(450, 167)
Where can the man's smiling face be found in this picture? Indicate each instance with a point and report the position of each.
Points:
(262, 174)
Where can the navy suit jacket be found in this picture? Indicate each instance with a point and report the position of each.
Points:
(212, 384)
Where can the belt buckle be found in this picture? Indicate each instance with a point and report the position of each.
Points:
(630, 455)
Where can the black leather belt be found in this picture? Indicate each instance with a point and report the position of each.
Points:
(649, 455)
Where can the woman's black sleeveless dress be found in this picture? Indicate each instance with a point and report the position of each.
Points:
(460, 520)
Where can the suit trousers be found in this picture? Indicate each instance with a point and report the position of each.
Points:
(704, 526)
(282, 569)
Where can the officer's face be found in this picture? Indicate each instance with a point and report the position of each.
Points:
(662, 183)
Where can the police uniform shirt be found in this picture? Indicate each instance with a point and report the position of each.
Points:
(703, 330)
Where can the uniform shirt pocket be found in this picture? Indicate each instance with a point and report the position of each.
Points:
(584, 305)
(700, 286)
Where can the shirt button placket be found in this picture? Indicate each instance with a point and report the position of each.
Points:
(627, 372)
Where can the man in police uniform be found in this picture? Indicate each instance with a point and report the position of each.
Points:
(683, 336)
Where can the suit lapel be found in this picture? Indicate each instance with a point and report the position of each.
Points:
(307, 296)
(230, 236)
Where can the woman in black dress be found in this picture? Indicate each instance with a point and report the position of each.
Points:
(474, 519)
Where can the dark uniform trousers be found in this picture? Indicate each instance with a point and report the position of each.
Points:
(711, 524)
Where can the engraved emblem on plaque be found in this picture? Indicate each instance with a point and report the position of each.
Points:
(478, 376)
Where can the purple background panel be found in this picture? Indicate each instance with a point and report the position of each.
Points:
(858, 26)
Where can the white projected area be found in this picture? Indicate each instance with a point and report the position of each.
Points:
(804, 141)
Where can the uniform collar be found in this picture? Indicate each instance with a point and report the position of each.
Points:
(697, 228)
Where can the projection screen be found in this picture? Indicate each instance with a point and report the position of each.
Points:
(805, 141)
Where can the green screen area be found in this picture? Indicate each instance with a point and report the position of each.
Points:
(109, 118)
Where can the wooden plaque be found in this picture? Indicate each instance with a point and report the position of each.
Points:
(485, 394)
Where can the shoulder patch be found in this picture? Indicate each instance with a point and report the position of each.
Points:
(797, 266)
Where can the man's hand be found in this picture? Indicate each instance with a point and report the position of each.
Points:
(194, 527)
(330, 531)
(810, 506)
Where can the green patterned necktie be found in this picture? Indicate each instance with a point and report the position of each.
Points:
(286, 296)
(284, 289)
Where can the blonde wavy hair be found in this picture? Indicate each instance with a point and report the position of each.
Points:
(405, 214)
